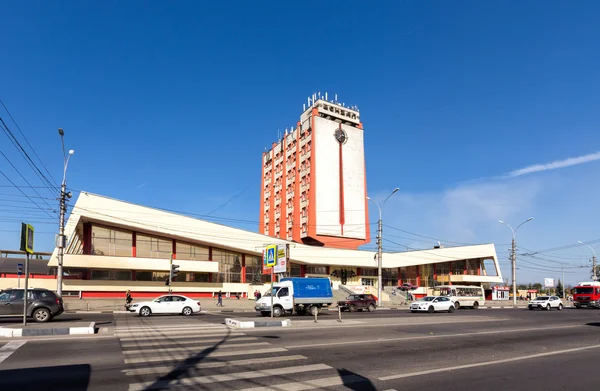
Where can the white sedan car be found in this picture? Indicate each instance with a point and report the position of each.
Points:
(546, 303)
(168, 304)
(432, 304)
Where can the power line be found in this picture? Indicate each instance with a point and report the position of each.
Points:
(24, 154)
(27, 141)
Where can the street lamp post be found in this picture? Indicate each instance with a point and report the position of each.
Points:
(379, 246)
(513, 256)
(594, 274)
(63, 209)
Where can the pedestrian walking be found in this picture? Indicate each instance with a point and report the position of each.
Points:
(220, 299)
(258, 295)
(128, 299)
(255, 295)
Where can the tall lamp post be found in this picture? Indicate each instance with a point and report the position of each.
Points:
(379, 246)
(513, 256)
(594, 273)
(63, 209)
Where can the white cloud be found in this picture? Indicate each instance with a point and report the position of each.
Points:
(573, 161)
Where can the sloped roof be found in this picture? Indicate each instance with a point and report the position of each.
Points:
(159, 222)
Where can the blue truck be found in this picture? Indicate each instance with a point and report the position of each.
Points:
(296, 294)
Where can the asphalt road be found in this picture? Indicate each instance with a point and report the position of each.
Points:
(386, 350)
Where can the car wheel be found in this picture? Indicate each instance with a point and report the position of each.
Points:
(352, 308)
(475, 305)
(451, 309)
(314, 310)
(277, 311)
(187, 311)
(145, 311)
(431, 310)
(548, 307)
(413, 311)
(560, 307)
(371, 308)
(457, 305)
(530, 308)
(42, 315)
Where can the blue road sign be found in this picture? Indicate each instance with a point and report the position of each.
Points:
(271, 256)
(20, 269)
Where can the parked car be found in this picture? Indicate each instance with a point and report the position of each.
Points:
(42, 304)
(432, 304)
(358, 303)
(546, 302)
(168, 304)
(407, 286)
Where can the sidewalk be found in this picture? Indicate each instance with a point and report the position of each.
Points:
(117, 305)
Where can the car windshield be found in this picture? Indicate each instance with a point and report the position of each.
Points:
(428, 298)
(268, 293)
(542, 298)
(4, 296)
(583, 290)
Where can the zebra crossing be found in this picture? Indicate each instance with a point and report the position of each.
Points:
(207, 356)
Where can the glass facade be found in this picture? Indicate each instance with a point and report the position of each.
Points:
(316, 270)
(190, 252)
(153, 247)
(230, 266)
(389, 277)
(111, 242)
(295, 270)
(253, 269)
(151, 276)
(104, 274)
(409, 274)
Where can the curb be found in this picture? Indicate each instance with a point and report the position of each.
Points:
(37, 332)
(248, 324)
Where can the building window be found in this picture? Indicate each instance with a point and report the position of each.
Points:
(409, 274)
(442, 269)
(230, 266)
(253, 269)
(190, 252)
(151, 276)
(316, 269)
(111, 242)
(153, 247)
(295, 270)
(120, 275)
(193, 277)
(368, 272)
(458, 267)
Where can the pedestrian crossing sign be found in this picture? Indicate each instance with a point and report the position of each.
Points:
(271, 256)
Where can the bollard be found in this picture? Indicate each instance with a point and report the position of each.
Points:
(87, 304)
(316, 316)
(339, 314)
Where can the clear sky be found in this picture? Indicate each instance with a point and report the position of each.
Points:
(170, 104)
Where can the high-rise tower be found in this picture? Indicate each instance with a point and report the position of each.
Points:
(314, 184)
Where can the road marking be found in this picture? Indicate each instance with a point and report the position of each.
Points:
(487, 363)
(10, 348)
(192, 381)
(194, 348)
(168, 357)
(179, 343)
(175, 337)
(163, 370)
(169, 327)
(473, 334)
(171, 333)
(311, 384)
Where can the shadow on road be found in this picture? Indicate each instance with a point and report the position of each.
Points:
(58, 378)
(597, 324)
(58, 319)
(354, 381)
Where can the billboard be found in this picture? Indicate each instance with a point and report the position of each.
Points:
(548, 282)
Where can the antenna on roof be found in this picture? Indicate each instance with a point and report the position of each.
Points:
(303, 106)
(336, 101)
(326, 96)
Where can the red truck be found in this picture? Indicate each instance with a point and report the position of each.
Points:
(587, 294)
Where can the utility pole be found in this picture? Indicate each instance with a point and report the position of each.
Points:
(513, 257)
(594, 272)
(63, 210)
(380, 248)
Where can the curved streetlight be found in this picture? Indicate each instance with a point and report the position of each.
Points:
(63, 209)
(379, 245)
(594, 273)
(513, 256)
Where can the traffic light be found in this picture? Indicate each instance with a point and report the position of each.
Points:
(174, 271)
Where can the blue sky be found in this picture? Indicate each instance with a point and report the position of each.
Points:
(170, 104)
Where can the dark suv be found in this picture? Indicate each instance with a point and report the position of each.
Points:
(358, 302)
(42, 304)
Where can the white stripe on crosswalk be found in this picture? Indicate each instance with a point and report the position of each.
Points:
(169, 328)
(176, 337)
(194, 348)
(166, 369)
(311, 384)
(7, 350)
(158, 343)
(227, 377)
(159, 333)
(158, 357)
